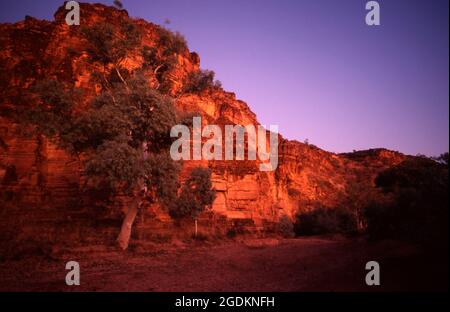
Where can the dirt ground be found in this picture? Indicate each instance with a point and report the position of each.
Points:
(300, 264)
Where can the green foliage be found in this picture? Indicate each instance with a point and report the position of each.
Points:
(124, 128)
(162, 172)
(108, 46)
(358, 193)
(123, 134)
(163, 56)
(116, 164)
(172, 42)
(134, 113)
(196, 195)
(94, 127)
(325, 221)
(418, 210)
(120, 126)
(200, 81)
(148, 114)
(139, 119)
(53, 108)
(415, 173)
(151, 57)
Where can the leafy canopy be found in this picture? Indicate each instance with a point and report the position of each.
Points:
(196, 195)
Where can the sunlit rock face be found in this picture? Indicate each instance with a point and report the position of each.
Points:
(45, 181)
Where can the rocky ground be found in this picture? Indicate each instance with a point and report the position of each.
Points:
(302, 264)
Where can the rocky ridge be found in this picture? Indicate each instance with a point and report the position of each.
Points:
(44, 181)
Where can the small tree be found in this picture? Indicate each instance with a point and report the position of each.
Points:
(201, 80)
(109, 46)
(285, 227)
(123, 135)
(418, 207)
(172, 42)
(163, 57)
(323, 220)
(196, 196)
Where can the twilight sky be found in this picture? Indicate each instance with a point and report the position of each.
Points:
(314, 67)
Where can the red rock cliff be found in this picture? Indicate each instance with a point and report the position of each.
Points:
(45, 180)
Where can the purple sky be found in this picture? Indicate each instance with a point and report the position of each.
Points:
(314, 67)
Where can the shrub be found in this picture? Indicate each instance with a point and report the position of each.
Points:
(418, 209)
(172, 42)
(380, 220)
(285, 227)
(162, 58)
(107, 46)
(121, 134)
(196, 195)
(325, 221)
(199, 81)
(239, 227)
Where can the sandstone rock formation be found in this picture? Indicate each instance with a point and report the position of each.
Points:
(44, 181)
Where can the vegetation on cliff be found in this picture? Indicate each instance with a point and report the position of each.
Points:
(108, 92)
(196, 196)
(123, 134)
(412, 205)
(417, 205)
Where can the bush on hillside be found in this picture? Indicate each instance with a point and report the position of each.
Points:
(418, 209)
(325, 221)
(285, 227)
(199, 81)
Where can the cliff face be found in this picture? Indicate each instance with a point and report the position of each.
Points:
(45, 181)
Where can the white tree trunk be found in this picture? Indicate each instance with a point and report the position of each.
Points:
(127, 224)
(125, 232)
(196, 228)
